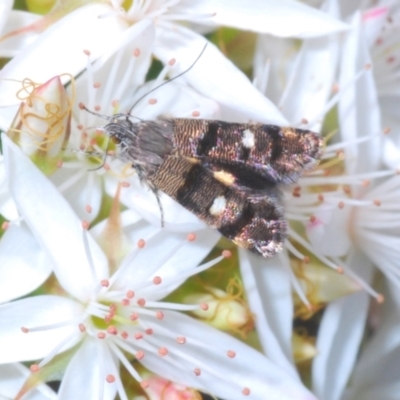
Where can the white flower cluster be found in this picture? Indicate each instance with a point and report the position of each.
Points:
(85, 306)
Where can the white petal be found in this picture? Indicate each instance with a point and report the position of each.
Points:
(60, 48)
(174, 100)
(329, 233)
(339, 337)
(358, 108)
(214, 76)
(85, 377)
(310, 85)
(166, 254)
(23, 263)
(13, 376)
(269, 294)
(391, 152)
(384, 391)
(5, 9)
(8, 209)
(118, 71)
(206, 348)
(143, 201)
(54, 224)
(33, 312)
(281, 18)
(85, 189)
(376, 370)
(374, 20)
(16, 20)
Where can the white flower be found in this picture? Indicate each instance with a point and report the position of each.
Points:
(165, 341)
(303, 98)
(383, 27)
(376, 374)
(350, 212)
(355, 226)
(63, 43)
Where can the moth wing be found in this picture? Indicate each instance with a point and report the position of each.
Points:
(252, 219)
(277, 154)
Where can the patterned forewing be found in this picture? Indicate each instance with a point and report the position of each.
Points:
(253, 222)
(272, 152)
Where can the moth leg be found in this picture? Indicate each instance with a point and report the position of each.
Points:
(142, 174)
(157, 194)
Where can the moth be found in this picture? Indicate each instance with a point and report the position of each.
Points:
(228, 174)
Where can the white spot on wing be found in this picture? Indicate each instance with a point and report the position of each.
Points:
(218, 206)
(248, 139)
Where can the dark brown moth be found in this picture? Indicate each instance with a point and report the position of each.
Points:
(228, 174)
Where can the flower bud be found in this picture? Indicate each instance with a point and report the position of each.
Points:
(223, 312)
(321, 285)
(160, 388)
(42, 125)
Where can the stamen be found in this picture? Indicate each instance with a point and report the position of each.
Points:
(363, 284)
(262, 84)
(231, 354)
(89, 256)
(56, 350)
(157, 280)
(167, 306)
(335, 99)
(293, 279)
(306, 245)
(332, 148)
(191, 237)
(121, 357)
(183, 275)
(178, 356)
(358, 179)
(162, 351)
(89, 189)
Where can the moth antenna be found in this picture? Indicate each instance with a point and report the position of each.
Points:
(169, 80)
(83, 107)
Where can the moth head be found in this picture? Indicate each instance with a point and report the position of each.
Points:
(121, 129)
